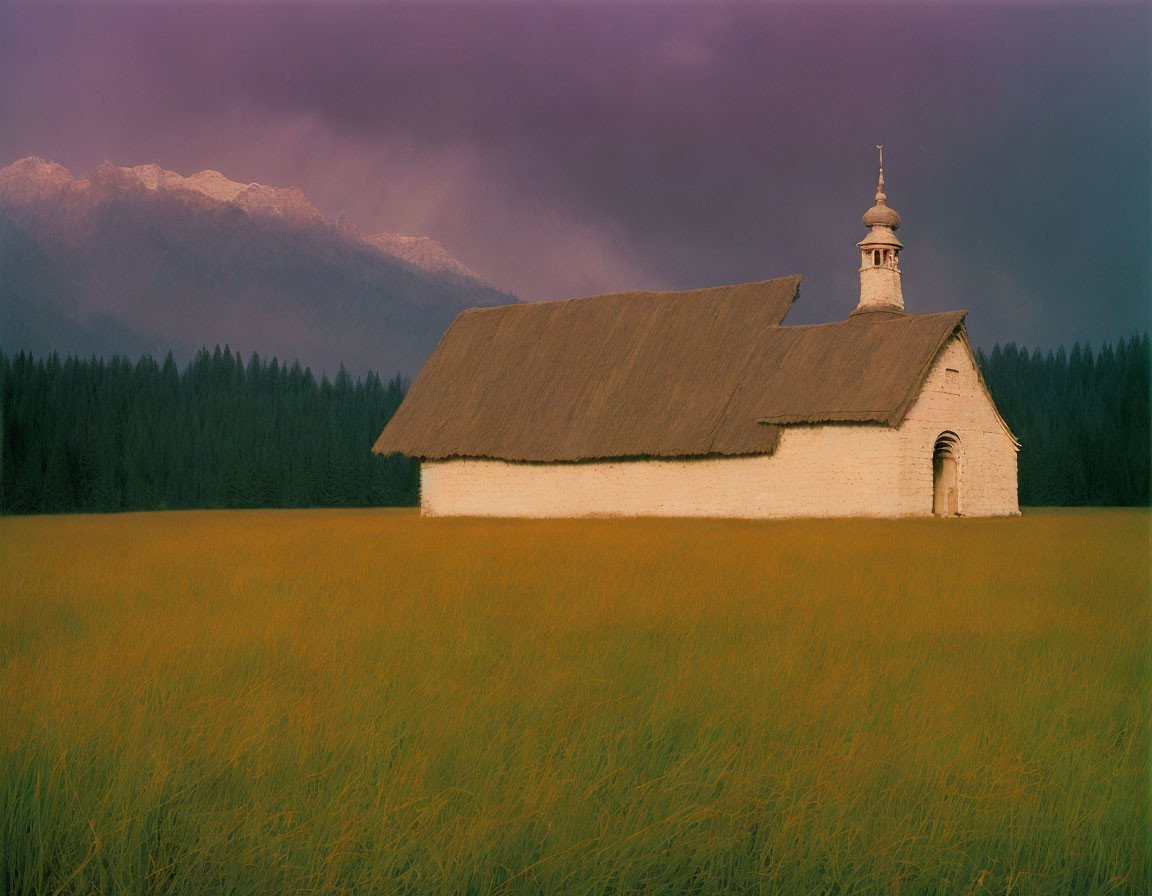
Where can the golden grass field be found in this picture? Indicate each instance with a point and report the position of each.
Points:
(364, 701)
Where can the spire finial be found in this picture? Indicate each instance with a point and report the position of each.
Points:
(880, 197)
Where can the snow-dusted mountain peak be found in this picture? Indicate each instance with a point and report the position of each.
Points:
(33, 180)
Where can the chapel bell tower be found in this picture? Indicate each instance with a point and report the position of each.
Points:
(879, 255)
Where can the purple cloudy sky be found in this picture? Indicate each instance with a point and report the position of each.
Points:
(566, 149)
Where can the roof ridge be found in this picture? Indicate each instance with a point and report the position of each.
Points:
(856, 320)
(632, 292)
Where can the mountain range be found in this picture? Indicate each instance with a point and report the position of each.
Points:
(142, 260)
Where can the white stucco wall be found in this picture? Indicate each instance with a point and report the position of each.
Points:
(880, 287)
(987, 456)
(816, 470)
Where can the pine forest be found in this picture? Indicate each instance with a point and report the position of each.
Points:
(95, 435)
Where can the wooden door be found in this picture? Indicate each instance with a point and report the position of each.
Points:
(945, 496)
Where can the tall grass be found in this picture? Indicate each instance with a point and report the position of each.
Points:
(369, 702)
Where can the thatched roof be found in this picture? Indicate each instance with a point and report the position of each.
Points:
(866, 369)
(673, 374)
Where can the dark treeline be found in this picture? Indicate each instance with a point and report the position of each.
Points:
(1082, 420)
(94, 435)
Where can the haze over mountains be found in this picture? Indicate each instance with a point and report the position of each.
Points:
(134, 260)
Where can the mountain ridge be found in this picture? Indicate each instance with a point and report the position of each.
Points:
(142, 259)
(33, 178)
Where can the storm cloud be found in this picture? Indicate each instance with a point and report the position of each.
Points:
(571, 149)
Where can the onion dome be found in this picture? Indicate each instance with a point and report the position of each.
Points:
(882, 215)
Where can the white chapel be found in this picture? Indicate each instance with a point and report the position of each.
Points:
(705, 403)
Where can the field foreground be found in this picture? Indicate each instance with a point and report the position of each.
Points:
(370, 702)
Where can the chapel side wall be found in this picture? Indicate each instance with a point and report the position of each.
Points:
(987, 462)
(816, 471)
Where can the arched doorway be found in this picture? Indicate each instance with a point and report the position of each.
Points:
(945, 475)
